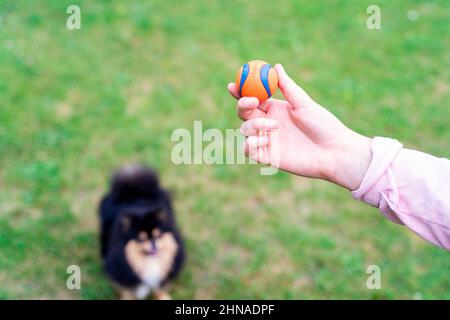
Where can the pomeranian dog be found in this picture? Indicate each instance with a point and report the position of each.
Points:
(141, 248)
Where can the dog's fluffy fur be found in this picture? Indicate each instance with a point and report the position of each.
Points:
(141, 247)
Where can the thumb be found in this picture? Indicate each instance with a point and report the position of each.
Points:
(293, 93)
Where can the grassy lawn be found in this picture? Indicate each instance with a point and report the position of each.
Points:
(75, 105)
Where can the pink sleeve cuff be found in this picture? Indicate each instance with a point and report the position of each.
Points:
(410, 188)
(384, 151)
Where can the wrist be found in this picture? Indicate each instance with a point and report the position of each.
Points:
(351, 160)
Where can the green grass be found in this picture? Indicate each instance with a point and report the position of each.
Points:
(75, 105)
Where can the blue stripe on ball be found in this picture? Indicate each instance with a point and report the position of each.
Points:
(264, 75)
(244, 75)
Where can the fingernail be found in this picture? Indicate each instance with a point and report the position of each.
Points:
(244, 102)
(248, 101)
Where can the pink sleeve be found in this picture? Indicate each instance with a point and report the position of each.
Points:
(409, 187)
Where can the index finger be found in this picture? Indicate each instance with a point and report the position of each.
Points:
(247, 107)
(232, 89)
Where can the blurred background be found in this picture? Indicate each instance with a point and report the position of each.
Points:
(77, 104)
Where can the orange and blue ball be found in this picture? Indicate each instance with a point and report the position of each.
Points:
(257, 79)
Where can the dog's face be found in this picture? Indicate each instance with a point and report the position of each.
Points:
(149, 239)
(145, 225)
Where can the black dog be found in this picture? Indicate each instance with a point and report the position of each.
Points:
(141, 247)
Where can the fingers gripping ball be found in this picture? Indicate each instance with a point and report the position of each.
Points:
(257, 79)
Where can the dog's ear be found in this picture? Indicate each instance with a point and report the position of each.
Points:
(125, 224)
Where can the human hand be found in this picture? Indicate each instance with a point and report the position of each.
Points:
(300, 136)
